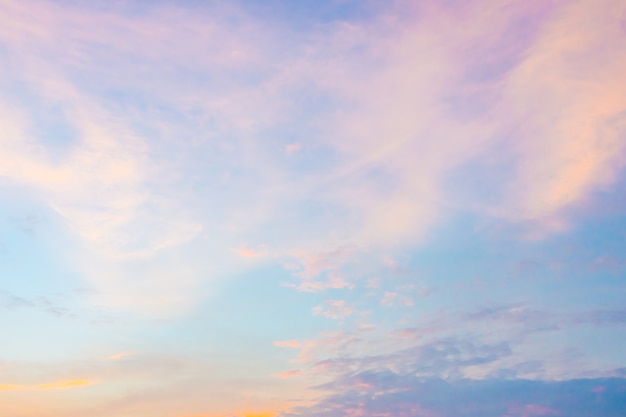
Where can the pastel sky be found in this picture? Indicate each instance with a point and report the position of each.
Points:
(297, 208)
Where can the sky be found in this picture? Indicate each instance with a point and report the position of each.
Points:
(281, 208)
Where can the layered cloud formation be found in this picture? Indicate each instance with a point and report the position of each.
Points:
(392, 395)
(339, 208)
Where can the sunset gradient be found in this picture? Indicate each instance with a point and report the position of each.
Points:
(330, 208)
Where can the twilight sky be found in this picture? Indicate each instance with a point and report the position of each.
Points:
(298, 208)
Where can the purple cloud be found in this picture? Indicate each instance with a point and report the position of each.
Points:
(386, 394)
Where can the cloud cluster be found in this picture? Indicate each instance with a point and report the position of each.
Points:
(387, 394)
(498, 343)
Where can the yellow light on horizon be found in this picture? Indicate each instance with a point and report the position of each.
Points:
(50, 385)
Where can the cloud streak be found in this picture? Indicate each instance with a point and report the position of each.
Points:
(379, 394)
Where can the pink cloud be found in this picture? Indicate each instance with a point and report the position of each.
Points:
(533, 410)
(292, 148)
(396, 138)
(393, 298)
(288, 343)
(288, 374)
(573, 145)
(334, 309)
(248, 253)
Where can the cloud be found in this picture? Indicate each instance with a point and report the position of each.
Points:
(121, 355)
(496, 114)
(10, 301)
(531, 319)
(101, 169)
(393, 298)
(502, 340)
(175, 123)
(333, 309)
(576, 135)
(65, 384)
(174, 146)
(288, 343)
(49, 385)
(444, 357)
(288, 374)
(248, 253)
(292, 148)
(336, 354)
(388, 394)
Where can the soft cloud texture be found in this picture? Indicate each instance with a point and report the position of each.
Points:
(189, 191)
(413, 96)
(385, 394)
(334, 309)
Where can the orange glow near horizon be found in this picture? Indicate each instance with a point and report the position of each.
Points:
(269, 414)
(266, 414)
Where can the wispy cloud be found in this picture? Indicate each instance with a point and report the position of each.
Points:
(174, 147)
(334, 309)
(410, 105)
(386, 394)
